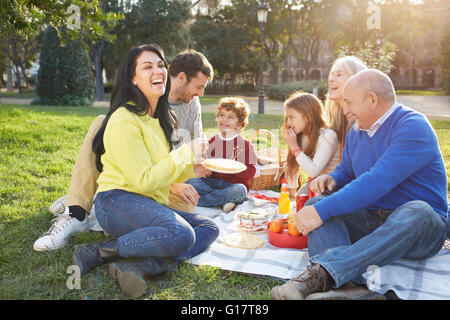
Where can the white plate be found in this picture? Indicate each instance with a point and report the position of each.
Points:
(225, 164)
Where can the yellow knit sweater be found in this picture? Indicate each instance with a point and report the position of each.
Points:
(137, 157)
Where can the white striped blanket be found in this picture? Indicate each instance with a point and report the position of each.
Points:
(412, 280)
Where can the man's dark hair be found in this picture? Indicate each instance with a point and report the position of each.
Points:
(190, 62)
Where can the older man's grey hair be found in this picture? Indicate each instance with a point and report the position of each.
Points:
(375, 81)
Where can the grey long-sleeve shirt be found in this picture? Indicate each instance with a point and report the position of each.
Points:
(189, 121)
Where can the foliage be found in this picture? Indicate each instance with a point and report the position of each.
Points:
(375, 56)
(26, 18)
(157, 21)
(65, 76)
(226, 45)
(282, 90)
(307, 32)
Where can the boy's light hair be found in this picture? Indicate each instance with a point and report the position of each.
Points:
(238, 106)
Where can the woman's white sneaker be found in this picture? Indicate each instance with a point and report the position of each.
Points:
(58, 206)
(64, 226)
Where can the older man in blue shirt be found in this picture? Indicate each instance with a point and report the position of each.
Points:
(389, 197)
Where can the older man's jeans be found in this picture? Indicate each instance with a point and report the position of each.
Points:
(347, 245)
(154, 237)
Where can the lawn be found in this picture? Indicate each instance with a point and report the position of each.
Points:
(38, 147)
(422, 92)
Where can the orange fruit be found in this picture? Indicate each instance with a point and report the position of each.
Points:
(292, 229)
(276, 225)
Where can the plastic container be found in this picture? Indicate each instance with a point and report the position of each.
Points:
(283, 239)
(254, 221)
(300, 200)
(284, 203)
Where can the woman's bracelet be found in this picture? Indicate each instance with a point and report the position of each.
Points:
(295, 150)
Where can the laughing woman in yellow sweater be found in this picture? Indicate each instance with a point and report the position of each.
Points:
(134, 153)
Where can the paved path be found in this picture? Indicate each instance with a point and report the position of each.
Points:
(434, 107)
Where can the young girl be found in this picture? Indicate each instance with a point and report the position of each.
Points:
(312, 146)
(220, 189)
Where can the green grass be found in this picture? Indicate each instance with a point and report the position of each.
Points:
(421, 92)
(15, 94)
(38, 147)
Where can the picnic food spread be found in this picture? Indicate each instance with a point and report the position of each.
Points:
(222, 165)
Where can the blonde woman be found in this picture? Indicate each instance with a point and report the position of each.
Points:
(341, 70)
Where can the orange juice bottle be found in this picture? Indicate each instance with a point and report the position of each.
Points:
(284, 203)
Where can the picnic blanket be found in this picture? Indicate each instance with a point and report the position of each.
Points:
(421, 279)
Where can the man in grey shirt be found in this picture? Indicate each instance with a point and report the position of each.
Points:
(189, 73)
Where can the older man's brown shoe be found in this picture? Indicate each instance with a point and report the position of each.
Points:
(314, 279)
(348, 291)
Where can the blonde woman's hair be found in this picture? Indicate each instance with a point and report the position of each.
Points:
(333, 112)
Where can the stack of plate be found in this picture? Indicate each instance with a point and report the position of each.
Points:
(254, 221)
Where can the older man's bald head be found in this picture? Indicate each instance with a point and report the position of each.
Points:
(373, 81)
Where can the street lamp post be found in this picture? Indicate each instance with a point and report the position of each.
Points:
(262, 19)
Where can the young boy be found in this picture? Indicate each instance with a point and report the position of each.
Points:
(227, 190)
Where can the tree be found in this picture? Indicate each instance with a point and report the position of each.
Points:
(98, 46)
(306, 33)
(226, 45)
(21, 52)
(48, 84)
(379, 57)
(276, 34)
(157, 21)
(444, 52)
(65, 76)
(25, 18)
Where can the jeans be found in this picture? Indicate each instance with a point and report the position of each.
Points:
(215, 192)
(347, 245)
(153, 236)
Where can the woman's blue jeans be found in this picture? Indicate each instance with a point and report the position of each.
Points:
(215, 192)
(347, 245)
(154, 237)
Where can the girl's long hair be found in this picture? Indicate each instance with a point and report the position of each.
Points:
(311, 109)
(127, 95)
(333, 112)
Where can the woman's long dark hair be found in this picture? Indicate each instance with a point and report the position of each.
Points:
(125, 92)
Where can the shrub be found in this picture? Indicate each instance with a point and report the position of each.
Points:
(109, 86)
(65, 76)
(282, 90)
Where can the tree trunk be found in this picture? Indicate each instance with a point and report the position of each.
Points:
(25, 77)
(9, 75)
(99, 87)
(16, 66)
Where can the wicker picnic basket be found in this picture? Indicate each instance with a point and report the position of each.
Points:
(271, 161)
